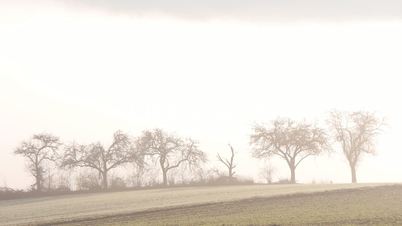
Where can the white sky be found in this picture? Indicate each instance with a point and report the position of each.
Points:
(81, 73)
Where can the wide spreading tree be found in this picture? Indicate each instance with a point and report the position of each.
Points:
(290, 140)
(41, 149)
(169, 150)
(102, 158)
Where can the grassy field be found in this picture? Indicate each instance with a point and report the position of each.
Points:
(364, 206)
(212, 205)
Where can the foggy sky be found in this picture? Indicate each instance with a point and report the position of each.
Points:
(268, 10)
(84, 70)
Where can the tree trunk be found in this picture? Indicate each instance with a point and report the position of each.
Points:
(164, 170)
(38, 177)
(292, 174)
(104, 180)
(165, 180)
(38, 182)
(353, 172)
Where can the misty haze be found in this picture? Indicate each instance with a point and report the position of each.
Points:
(200, 112)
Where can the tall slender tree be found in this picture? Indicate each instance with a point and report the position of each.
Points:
(290, 140)
(356, 133)
(41, 148)
(229, 163)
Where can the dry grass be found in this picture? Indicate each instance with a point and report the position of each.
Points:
(92, 206)
(364, 206)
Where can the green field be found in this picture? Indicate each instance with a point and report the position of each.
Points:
(230, 205)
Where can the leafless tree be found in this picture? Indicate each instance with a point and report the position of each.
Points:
(229, 163)
(200, 175)
(41, 148)
(268, 173)
(169, 150)
(63, 182)
(355, 132)
(99, 158)
(87, 181)
(290, 140)
(136, 177)
(48, 183)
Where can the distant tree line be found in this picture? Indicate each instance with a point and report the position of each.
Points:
(157, 150)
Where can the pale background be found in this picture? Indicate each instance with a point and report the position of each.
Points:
(204, 69)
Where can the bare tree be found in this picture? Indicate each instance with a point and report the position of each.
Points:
(41, 148)
(48, 182)
(88, 181)
(356, 132)
(99, 158)
(63, 182)
(268, 173)
(169, 150)
(229, 163)
(290, 140)
(136, 177)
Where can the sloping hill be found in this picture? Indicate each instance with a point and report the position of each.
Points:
(92, 206)
(360, 206)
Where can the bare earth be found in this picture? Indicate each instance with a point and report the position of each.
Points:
(363, 206)
(233, 205)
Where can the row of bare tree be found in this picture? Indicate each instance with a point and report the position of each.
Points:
(169, 150)
(287, 139)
